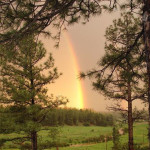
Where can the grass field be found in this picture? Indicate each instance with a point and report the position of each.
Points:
(99, 146)
(74, 135)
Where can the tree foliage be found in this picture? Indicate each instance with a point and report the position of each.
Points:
(119, 65)
(122, 71)
(68, 116)
(116, 139)
(19, 17)
(24, 76)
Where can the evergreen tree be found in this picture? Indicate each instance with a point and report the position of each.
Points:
(24, 77)
(19, 17)
(116, 139)
(119, 77)
(146, 32)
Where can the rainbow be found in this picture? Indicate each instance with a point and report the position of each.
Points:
(79, 88)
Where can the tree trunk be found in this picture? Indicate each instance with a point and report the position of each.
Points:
(130, 119)
(34, 140)
(130, 127)
(33, 133)
(147, 51)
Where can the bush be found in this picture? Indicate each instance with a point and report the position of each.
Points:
(86, 124)
(49, 144)
(143, 148)
(125, 130)
(136, 147)
(26, 146)
(2, 141)
(99, 139)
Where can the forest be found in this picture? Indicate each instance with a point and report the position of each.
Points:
(75, 117)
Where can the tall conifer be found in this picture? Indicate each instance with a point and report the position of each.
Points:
(24, 76)
(120, 74)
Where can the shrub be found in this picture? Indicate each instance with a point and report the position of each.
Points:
(2, 141)
(86, 124)
(26, 146)
(49, 144)
(99, 139)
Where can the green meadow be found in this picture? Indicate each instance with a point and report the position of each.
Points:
(99, 146)
(75, 135)
(140, 138)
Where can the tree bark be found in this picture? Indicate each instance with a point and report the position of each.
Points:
(129, 95)
(34, 140)
(146, 17)
(130, 120)
(33, 133)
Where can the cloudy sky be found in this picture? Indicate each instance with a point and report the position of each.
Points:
(81, 46)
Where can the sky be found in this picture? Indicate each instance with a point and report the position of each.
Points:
(81, 46)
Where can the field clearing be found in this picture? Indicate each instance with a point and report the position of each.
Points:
(98, 146)
(74, 135)
(140, 137)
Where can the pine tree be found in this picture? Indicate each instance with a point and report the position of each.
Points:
(116, 139)
(119, 77)
(20, 18)
(146, 27)
(24, 77)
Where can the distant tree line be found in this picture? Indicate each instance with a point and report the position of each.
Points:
(73, 116)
